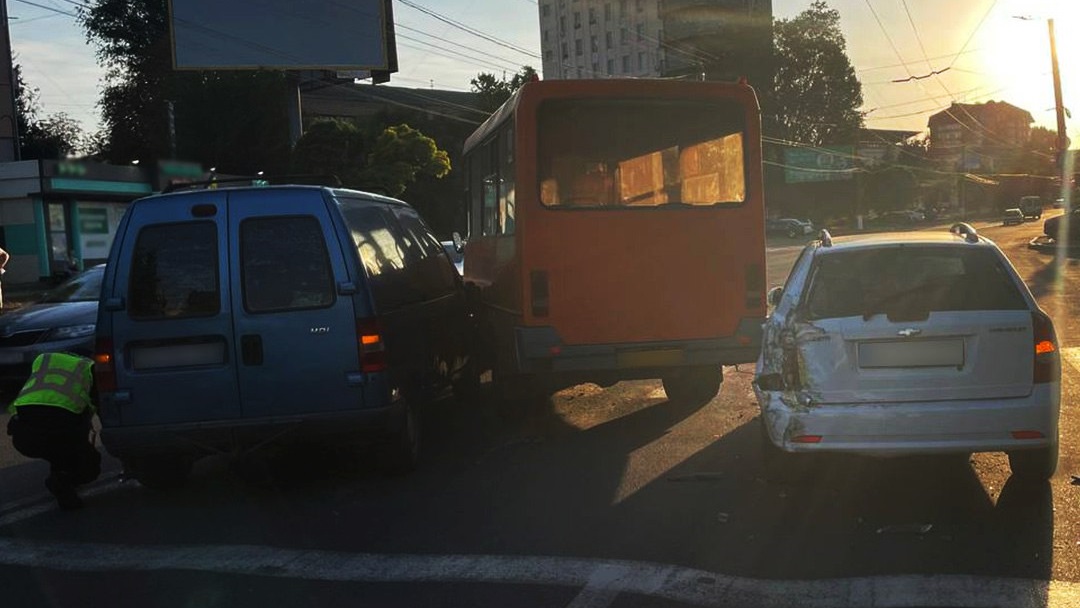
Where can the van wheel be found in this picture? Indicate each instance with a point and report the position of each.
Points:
(401, 454)
(694, 385)
(1034, 465)
(160, 472)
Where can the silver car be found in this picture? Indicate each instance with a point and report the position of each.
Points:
(908, 343)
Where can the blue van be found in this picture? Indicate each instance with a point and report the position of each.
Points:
(235, 317)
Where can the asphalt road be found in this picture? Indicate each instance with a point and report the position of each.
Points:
(597, 497)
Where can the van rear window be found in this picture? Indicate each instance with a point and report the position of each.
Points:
(285, 265)
(174, 272)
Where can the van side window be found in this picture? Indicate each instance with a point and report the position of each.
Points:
(174, 272)
(429, 264)
(382, 253)
(284, 264)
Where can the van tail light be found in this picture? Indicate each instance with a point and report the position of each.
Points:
(1047, 363)
(372, 349)
(541, 301)
(104, 365)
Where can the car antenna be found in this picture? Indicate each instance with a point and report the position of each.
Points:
(825, 238)
(965, 230)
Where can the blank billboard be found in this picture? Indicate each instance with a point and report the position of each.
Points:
(282, 34)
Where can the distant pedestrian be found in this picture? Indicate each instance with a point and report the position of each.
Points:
(52, 419)
(4, 257)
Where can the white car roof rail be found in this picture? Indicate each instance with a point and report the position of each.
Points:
(965, 230)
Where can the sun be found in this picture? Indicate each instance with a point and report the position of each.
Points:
(1014, 56)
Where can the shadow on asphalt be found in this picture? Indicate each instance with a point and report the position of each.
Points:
(524, 481)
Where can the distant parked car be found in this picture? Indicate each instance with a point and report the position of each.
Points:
(789, 227)
(902, 217)
(1031, 206)
(63, 320)
(1012, 216)
(1059, 203)
(457, 257)
(908, 343)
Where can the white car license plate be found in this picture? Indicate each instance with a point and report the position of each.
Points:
(912, 353)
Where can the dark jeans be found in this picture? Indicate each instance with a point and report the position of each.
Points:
(60, 437)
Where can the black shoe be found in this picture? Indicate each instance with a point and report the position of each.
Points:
(64, 493)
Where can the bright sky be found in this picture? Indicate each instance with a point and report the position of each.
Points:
(1005, 59)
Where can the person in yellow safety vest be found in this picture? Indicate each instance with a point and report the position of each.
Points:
(52, 419)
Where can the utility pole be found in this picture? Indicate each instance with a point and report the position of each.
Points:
(9, 124)
(1059, 105)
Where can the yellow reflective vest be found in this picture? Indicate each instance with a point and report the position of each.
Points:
(59, 380)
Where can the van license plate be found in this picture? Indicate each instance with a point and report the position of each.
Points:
(914, 353)
(649, 358)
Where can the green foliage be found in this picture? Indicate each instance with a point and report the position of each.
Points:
(50, 137)
(493, 92)
(387, 162)
(816, 93)
(1035, 157)
(236, 121)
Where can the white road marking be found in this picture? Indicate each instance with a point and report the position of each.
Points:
(684, 585)
(17, 511)
(601, 590)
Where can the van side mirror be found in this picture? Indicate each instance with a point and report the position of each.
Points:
(459, 243)
(774, 295)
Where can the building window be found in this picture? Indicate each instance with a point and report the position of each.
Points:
(577, 20)
(622, 8)
(565, 51)
(579, 48)
(640, 5)
(625, 64)
(640, 31)
(562, 25)
(609, 40)
(592, 16)
(607, 11)
(595, 69)
(545, 35)
(594, 44)
(610, 67)
(641, 61)
(624, 36)
(548, 57)
(545, 9)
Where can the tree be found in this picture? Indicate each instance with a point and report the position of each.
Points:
(1035, 157)
(493, 92)
(816, 94)
(54, 136)
(399, 154)
(236, 121)
(387, 162)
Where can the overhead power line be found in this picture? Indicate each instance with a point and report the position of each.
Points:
(469, 29)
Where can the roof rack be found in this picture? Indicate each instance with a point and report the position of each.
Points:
(825, 238)
(965, 230)
(331, 181)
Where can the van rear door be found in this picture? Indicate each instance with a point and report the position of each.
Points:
(296, 342)
(170, 313)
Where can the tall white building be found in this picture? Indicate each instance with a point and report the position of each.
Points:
(600, 38)
(720, 39)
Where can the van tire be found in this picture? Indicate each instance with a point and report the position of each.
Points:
(694, 385)
(1034, 465)
(401, 453)
(160, 472)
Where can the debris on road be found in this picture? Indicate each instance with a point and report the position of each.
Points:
(918, 529)
(722, 517)
(704, 476)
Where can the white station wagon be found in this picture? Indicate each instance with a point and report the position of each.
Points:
(908, 343)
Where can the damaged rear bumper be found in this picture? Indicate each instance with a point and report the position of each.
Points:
(898, 429)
